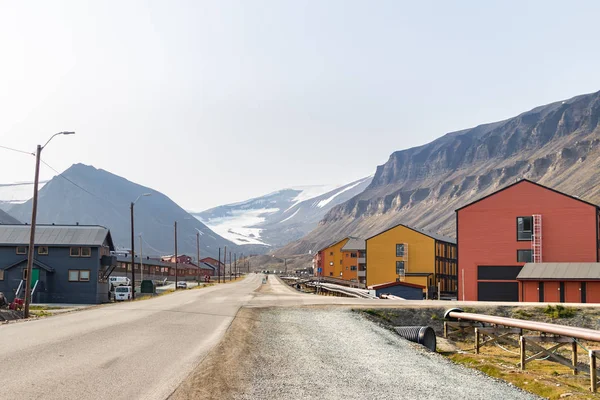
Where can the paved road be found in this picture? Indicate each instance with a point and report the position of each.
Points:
(138, 350)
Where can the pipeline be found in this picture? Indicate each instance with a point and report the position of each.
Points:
(562, 330)
(423, 335)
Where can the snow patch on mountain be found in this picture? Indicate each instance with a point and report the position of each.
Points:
(328, 200)
(239, 225)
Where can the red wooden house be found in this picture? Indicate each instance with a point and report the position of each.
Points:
(513, 245)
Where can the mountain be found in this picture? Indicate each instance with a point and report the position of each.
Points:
(280, 217)
(104, 198)
(556, 145)
(5, 218)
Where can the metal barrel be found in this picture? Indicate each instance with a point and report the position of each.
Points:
(423, 335)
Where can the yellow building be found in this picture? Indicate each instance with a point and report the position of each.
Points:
(333, 259)
(407, 254)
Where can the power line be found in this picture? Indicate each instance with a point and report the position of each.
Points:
(17, 150)
(76, 185)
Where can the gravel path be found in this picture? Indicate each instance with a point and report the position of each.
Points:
(336, 354)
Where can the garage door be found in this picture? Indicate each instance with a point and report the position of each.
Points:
(498, 291)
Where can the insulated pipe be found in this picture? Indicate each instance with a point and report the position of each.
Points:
(423, 335)
(563, 330)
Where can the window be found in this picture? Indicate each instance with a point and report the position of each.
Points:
(43, 250)
(400, 250)
(86, 252)
(525, 256)
(75, 252)
(1, 274)
(21, 250)
(353, 268)
(353, 255)
(331, 253)
(399, 267)
(524, 228)
(76, 275)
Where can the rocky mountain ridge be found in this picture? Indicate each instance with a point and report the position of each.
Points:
(556, 145)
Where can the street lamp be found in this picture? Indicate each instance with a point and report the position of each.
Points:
(33, 221)
(133, 244)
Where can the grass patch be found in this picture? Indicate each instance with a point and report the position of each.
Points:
(378, 314)
(558, 311)
(40, 313)
(522, 314)
(44, 308)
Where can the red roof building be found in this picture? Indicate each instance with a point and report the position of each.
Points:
(525, 223)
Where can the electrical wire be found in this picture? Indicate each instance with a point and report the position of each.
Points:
(17, 150)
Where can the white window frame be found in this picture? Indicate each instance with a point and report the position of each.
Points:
(78, 252)
(21, 247)
(81, 252)
(43, 247)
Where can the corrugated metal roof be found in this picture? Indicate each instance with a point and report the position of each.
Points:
(432, 235)
(354, 244)
(560, 271)
(54, 235)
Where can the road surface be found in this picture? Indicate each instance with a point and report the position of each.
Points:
(137, 350)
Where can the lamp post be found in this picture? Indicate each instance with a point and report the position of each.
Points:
(175, 255)
(198, 254)
(33, 221)
(133, 245)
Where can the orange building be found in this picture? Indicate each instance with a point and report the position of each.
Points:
(353, 260)
(526, 222)
(332, 259)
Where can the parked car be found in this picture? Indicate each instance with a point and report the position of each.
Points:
(181, 285)
(122, 293)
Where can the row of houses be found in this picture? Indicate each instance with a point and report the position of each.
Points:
(525, 242)
(73, 263)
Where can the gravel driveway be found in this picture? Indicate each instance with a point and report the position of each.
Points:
(336, 354)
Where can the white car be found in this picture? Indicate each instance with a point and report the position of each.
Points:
(122, 293)
(181, 285)
(115, 281)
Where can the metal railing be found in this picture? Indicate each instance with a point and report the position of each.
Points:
(499, 329)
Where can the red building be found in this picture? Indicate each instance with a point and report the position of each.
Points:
(318, 263)
(527, 223)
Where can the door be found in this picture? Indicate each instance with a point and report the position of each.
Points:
(551, 292)
(497, 291)
(572, 292)
(35, 276)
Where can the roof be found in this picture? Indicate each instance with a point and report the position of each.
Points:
(56, 235)
(560, 271)
(204, 265)
(432, 235)
(534, 183)
(354, 244)
(391, 284)
(37, 263)
(334, 243)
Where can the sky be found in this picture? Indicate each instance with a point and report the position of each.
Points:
(213, 102)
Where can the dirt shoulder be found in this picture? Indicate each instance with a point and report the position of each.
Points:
(221, 374)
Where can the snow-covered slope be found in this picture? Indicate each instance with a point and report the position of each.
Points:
(280, 217)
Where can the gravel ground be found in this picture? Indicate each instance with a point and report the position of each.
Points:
(336, 354)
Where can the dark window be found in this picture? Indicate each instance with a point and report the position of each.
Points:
(353, 255)
(21, 250)
(525, 256)
(399, 267)
(43, 250)
(498, 273)
(331, 253)
(524, 228)
(86, 252)
(75, 252)
(353, 268)
(400, 250)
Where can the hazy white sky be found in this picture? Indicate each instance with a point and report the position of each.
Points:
(218, 101)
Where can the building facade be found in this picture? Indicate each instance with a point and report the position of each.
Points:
(521, 223)
(407, 254)
(71, 263)
(353, 260)
(332, 259)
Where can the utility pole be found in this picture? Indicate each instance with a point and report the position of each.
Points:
(224, 263)
(285, 264)
(132, 254)
(141, 260)
(235, 265)
(30, 251)
(230, 266)
(198, 254)
(219, 266)
(175, 255)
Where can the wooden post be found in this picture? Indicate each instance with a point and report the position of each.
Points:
(445, 329)
(593, 371)
(574, 357)
(522, 352)
(477, 340)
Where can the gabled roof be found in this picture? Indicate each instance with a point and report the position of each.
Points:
(560, 271)
(432, 235)
(532, 182)
(334, 243)
(204, 265)
(354, 244)
(391, 284)
(37, 263)
(56, 235)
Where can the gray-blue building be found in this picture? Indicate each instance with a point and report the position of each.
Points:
(71, 263)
